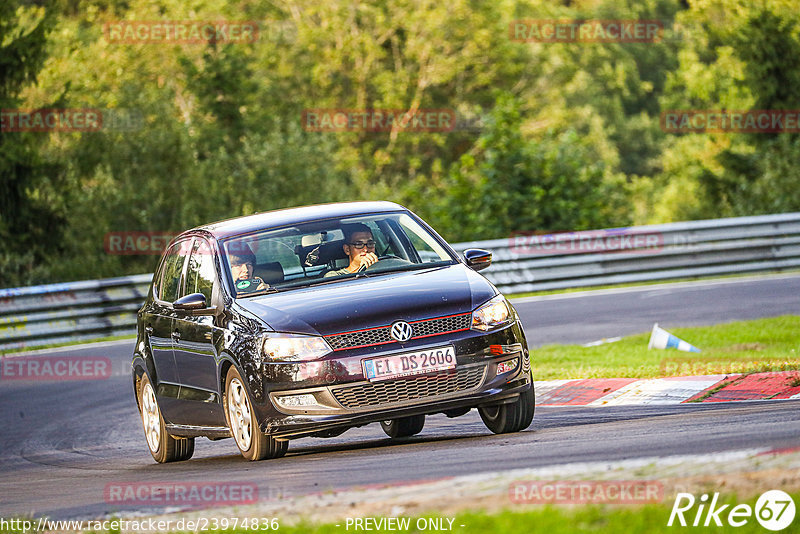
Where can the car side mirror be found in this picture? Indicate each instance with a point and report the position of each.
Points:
(477, 258)
(195, 303)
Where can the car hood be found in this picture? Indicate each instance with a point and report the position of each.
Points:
(369, 302)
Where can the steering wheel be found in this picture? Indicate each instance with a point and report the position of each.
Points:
(387, 260)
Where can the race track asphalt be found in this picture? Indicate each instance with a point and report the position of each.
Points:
(64, 442)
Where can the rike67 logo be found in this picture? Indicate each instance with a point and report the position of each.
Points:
(774, 510)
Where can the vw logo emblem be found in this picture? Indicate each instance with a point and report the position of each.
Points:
(401, 331)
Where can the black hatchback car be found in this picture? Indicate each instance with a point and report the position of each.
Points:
(309, 321)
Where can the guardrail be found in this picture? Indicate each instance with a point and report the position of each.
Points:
(73, 311)
(49, 314)
(713, 247)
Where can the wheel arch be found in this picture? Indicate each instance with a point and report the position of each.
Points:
(141, 365)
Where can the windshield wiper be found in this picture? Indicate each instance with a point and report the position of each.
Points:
(352, 276)
(321, 281)
(262, 292)
(413, 267)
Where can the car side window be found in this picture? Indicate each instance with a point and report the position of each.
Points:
(425, 245)
(173, 268)
(200, 274)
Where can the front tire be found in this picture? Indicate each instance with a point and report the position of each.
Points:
(252, 442)
(163, 447)
(512, 417)
(404, 426)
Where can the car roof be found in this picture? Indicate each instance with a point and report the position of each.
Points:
(290, 216)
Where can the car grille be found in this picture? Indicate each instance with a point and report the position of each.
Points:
(380, 335)
(394, 391)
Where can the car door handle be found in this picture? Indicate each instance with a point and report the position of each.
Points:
(148, 329)
(176, 335)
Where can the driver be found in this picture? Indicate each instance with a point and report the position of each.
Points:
(242, 263)
(359, 245)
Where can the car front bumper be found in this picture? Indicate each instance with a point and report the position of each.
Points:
(319, 400)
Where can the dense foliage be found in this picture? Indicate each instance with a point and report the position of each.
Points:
(549, 136)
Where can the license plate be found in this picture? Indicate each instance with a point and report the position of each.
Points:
(410, 364)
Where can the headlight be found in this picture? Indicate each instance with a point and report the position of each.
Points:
(493, 314)
(293, 347)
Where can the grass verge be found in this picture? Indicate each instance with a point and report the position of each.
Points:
(599, 519)
(564, 519)
(740, 347)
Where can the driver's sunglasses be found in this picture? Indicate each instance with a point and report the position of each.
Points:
(361, 244)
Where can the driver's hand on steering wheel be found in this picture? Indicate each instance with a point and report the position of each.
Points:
(365, 259)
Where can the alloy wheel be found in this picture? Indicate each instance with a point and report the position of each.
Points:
(151, 419)
(239, 415)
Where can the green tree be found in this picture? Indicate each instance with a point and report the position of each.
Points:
(512, 184)
(738, 56)
(30, 221)
(567, 135)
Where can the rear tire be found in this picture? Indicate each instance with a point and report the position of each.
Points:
(512, 417)
(163, 447)
(251, 441)
(404, 426)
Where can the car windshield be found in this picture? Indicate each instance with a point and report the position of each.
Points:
(314, 253)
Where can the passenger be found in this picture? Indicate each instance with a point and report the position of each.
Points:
(242, 268)
(359, 245)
